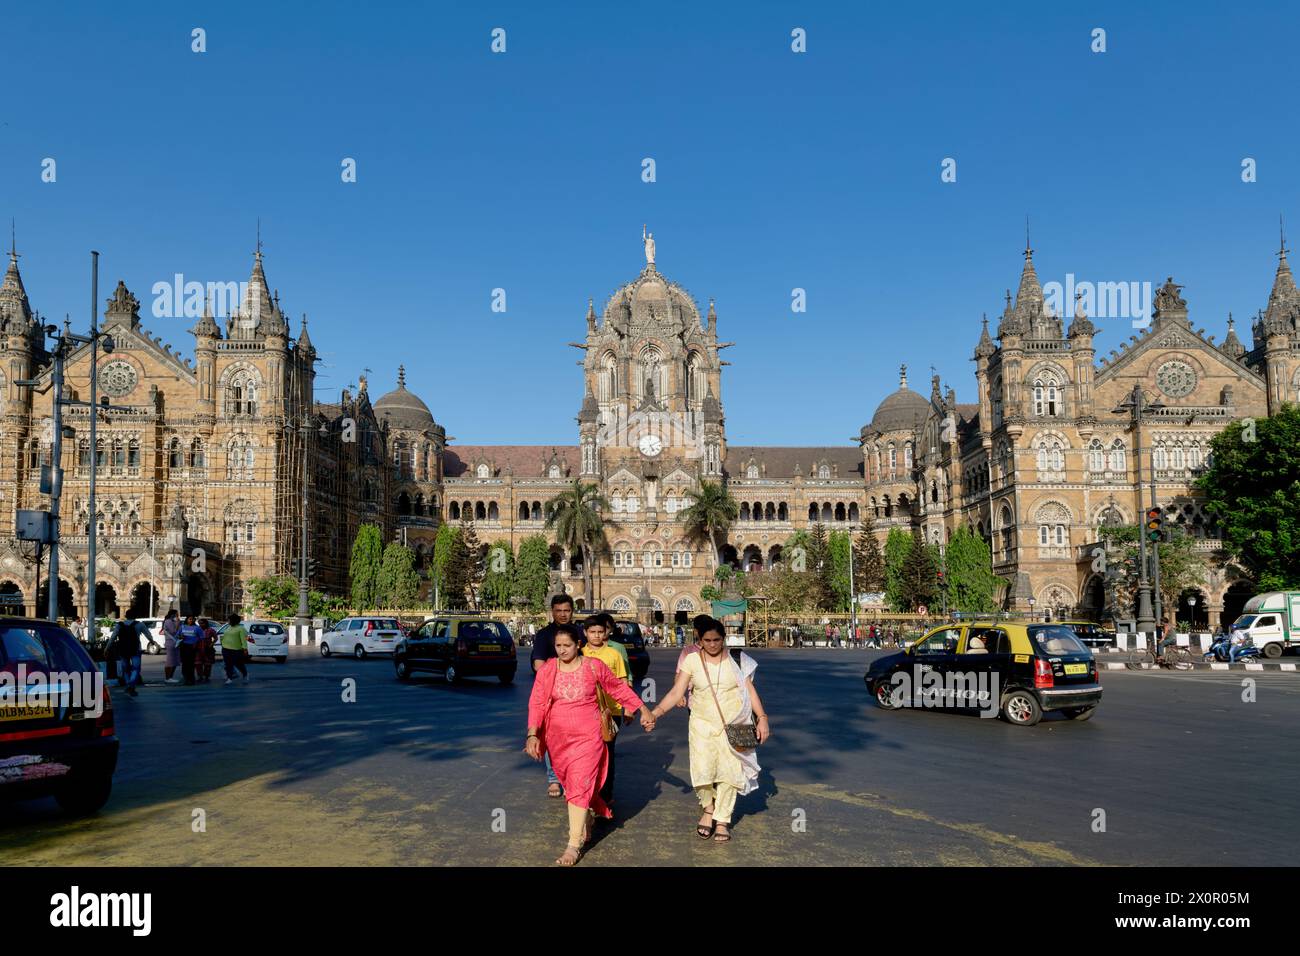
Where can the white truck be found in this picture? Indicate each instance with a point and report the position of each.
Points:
(1271, 621)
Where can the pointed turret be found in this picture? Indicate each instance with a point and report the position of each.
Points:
(257, 307)
(207, 326)
(711, 408)
(591, 315)
(1081, 325)
(13, 297)
(1282, 314)
(1029, 297)
(985, 347)
(304, 340)
(1232, 346)
(589, 413)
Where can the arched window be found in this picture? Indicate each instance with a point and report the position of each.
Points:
(1178, 460)
(175, 460)
(453, 511)
(1051, 457)
(493, 514)
(482, 471)
(1047, 398)
(198, 456)
(907, 455)
(119, 454)
(751, 471)
(1096, 456)
(605, 381)
(83, 453)
(823, 471)
(1053, 520)
(523, 511)
(1118, 458)
(996, 398)
(1194, 456)
(893, 458)
(133, 454)
(480, 512)
(1161, 456)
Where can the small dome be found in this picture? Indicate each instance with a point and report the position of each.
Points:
(404, 409)
(903, 410)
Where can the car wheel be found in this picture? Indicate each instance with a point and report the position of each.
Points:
(324, 650)
(153, 648)
(885, 695)
(282, 659)
(84, 795)
(1021, 708)
(506, 678)
(1081, 713)
(1273, 650)
(359, 652)
(451, 674)
(403, 670)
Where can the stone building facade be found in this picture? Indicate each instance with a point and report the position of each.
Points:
(209, 456)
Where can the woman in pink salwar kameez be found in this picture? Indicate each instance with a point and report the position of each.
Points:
(564, 721)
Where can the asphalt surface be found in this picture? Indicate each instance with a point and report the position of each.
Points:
(282, 771)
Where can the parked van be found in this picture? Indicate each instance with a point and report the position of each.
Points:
(1271, 621)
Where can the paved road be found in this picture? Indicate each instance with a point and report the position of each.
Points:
(287, 773)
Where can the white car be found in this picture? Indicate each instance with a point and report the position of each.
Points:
(156, 642)
(361, 636)
(265, 639)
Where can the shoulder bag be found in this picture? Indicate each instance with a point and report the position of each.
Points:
(608, 723)
(741, 737)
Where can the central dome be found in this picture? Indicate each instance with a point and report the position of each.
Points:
(903, 410)
(404, 409)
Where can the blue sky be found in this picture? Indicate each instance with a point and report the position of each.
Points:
(774, 171)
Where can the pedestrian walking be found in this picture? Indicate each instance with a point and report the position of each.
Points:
(190, 637)
(126, 638)
(543, 651)
(722, 695)
(171, 645)
(234, 650)
(564, 722)
(597, 629)
(207, 652)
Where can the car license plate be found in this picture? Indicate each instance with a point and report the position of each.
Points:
(1076, 668)
(496, 648)
(26, 711)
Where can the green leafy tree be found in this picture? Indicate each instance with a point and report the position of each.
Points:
(919, 579)
(898, 545)
(532, 576)
(499, 575)
(399, 582)
(868, 562)
(367, 558)
(1182, 568)
(711, 512)
(839, 545)
(1252, 489)
(273, 596)
(443, 545)
(456, 573)
(821, 593)
(970, 580)
(475, 559)
(577, 517)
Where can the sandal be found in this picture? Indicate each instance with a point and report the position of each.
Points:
(723, 835)
(569, 851)
(705, 831)
(554, 791)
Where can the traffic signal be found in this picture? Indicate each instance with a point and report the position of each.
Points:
(1155, 522)
(939, 576)
(312, 567)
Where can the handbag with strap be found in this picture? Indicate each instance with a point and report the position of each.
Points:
(741, 737)
(608, 722)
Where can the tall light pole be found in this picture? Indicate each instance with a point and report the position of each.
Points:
(1135, 404)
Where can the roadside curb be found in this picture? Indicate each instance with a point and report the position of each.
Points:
(1289, 666)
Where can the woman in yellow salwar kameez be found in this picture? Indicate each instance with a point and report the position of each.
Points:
(722, 692)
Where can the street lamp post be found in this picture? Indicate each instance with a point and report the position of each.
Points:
(1135, 404)
(1032, 602)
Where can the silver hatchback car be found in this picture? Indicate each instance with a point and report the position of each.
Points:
(361, 636)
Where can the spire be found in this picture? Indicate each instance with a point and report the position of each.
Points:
(304, 340)
(13, 297)
(1029, 297)
(712, 317)
(207, 325)
(1232, 346)
(984, 348)
(1082, 325)
(1283, 312)
(902, 378)
(401, 377)
(590, 411)
(711, 408)
(257, 307)
(591, 314)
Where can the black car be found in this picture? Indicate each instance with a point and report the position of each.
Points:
(457, 646)
(628, 633)
(61, 743)
(1091, 633)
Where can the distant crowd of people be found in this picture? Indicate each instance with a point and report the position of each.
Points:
(189, 645)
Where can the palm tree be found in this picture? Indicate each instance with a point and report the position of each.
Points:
(578, 518)
(711, 512)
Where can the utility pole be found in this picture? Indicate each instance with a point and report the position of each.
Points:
(1155, 552)
(1135, 404)
(94, 446)
(56, 473)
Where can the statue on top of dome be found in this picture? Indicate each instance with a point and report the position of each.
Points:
(648, 238)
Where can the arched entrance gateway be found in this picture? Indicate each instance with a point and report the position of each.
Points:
(105, 600)
(144, 601)
(67, 603)
(1234, 602)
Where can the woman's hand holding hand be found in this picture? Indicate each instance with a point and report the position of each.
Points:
(533, 747)
(647, 720)
(762, 730)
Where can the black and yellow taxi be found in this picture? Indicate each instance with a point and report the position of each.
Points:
(457, 646)
(628, 633)
(1018, 670)
(57, 735)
